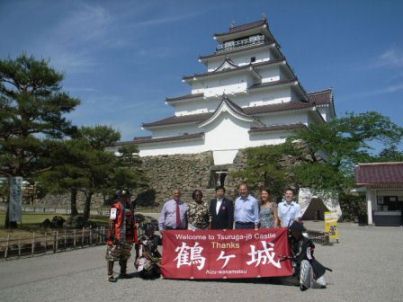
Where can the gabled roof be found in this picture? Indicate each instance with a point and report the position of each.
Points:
(323, 97)
(227, 62)
(243, 27)
(293, 105)
(184, 97)
(293, 81)
(182, 119)
(250, 111)
(237, 50)
(227, 105)
(148, 140)
(379, 174)
(252, 28)
(245, 67)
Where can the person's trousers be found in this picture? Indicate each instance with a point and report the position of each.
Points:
(244, 225)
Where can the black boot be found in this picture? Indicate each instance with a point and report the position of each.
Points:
(111, 278)
(123, 266)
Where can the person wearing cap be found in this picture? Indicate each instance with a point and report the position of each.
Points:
(122, 233)
(288, 210)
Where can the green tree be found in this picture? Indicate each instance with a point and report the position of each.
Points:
(83, 164)
(32, 105)
(339, 145)
(69, 172)
(266, 166)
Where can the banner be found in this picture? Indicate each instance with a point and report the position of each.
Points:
(15, 199)
(216, 254)
(331, 225)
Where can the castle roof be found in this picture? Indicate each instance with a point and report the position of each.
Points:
(251, 111)
(237, 68)
(243, 27)
(148, 139)
(277, 128)
(323, 97)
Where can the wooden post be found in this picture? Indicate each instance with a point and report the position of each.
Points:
(82, 237)
(74, 238)
(57, 240)
(97, 235)
(90, 235)
(33, 244)
(7, 245)
(46, 241)
(19, 247)
(65, 239)
(54, 242)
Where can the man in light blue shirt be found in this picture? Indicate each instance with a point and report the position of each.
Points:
(246, 214)
(288, 210)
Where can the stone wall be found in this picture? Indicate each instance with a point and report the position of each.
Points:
(62, 201)
(184, 171)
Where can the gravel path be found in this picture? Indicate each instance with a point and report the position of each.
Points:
(367, 266)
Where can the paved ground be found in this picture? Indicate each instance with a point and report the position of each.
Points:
(367, 266)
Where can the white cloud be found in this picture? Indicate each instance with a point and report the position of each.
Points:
(383, 90)
(391, 58)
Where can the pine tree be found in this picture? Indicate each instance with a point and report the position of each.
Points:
(32, 104)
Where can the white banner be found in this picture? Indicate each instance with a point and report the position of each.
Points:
(14, 206)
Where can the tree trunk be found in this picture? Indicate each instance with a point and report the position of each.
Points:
(87, 206)
(73, 202)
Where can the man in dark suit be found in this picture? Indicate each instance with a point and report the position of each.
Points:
(221, 211)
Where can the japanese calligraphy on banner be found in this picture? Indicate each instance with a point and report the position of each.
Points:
(216, 254)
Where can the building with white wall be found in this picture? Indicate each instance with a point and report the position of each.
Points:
(249, 96)
(383, 184)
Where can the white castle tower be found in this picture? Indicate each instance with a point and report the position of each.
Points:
(249, 96)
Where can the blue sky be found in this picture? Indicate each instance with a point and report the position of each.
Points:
(123, 58)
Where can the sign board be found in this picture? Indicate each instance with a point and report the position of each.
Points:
(14, 206)
(331, 225)
(219, 254)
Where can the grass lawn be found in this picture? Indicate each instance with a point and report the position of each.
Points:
(31, 223)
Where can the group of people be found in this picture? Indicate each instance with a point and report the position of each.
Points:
(222, 213)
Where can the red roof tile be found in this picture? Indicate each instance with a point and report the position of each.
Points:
(276, 128)
(195, 118)
(185, 97)
(374, 174)
(182, 119)
(321, 97)
(235, 50)
(206, 74)
(243, 27)
(147, 139)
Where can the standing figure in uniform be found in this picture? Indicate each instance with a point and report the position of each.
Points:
(121, 235)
